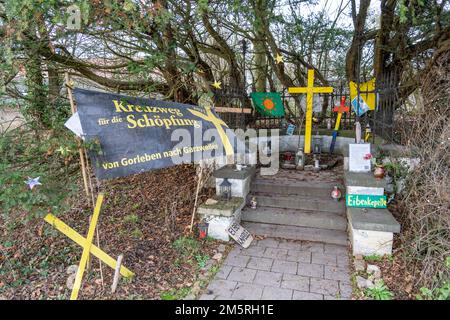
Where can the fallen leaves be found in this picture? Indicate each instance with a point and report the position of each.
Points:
(151, 197)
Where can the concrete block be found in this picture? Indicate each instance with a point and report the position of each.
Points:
(363, 183)
(218, 225)
(239, 187)
(368, 242)
(372, 220)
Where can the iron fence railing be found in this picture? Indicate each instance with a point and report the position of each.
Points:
(381, 120)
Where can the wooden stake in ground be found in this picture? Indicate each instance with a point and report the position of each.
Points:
(80, 150)
(84, 168)
(199, 182)
(116, 273)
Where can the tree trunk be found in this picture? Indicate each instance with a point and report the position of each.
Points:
(353, 57)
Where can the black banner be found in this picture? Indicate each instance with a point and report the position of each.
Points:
(132, 135)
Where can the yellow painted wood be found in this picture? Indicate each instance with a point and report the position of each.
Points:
(80, 240)
(310, 90)
(338, 121)
(218, 123)
(86, 248)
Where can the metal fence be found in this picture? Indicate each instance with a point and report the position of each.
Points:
(381, 120)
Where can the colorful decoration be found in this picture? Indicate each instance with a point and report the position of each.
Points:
(366, 100)
(336, 194)
(279, 58)
(367, 133)
(300, 159)
(203, 230)
(253, 203)
(366, 201)
(379, 172)
(342, 108)
(290, 129)
(268, 103)
(33, 182)
(310, 90)
(217, 85)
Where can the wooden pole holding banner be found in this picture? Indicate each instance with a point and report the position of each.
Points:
(89, 190)
(199, 182)
(80, 150)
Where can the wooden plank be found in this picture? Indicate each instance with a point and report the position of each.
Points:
(80, 240)
(233, 110)
(86, 248)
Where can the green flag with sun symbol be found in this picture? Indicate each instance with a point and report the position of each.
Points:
(268, 103)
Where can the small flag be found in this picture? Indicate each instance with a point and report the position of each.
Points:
(366, 99)
(268, 103)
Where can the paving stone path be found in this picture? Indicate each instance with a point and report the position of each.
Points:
(279, 269)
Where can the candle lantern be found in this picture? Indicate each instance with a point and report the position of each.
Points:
(225, 189)
(300, 159)
(203, 230)
(317, 145)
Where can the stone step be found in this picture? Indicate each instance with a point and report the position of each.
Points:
(301, 218)
(301, 188)
(298, 202)
(297, 233)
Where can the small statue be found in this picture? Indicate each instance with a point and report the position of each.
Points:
(336, 194)
(253, 203)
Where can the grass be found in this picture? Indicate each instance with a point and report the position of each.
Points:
(175, 294)
(379, 292)
(137, 234)
(373, 258)
(131, 218)
(186, 246)
(201, 259)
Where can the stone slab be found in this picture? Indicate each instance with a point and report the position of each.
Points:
(372, 219)
(222, 207)
(242, 275)
(363, 179)
(230, 172)
(248, 291)
(301, 295)
(271, 293)
(266, 278)
(291, 143)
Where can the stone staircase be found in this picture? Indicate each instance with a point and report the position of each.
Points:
(297, 205)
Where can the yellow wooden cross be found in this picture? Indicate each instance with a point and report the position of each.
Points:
(87, 245)
(310, 90)
(218, 123)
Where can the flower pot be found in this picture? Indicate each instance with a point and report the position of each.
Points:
(379, 172)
